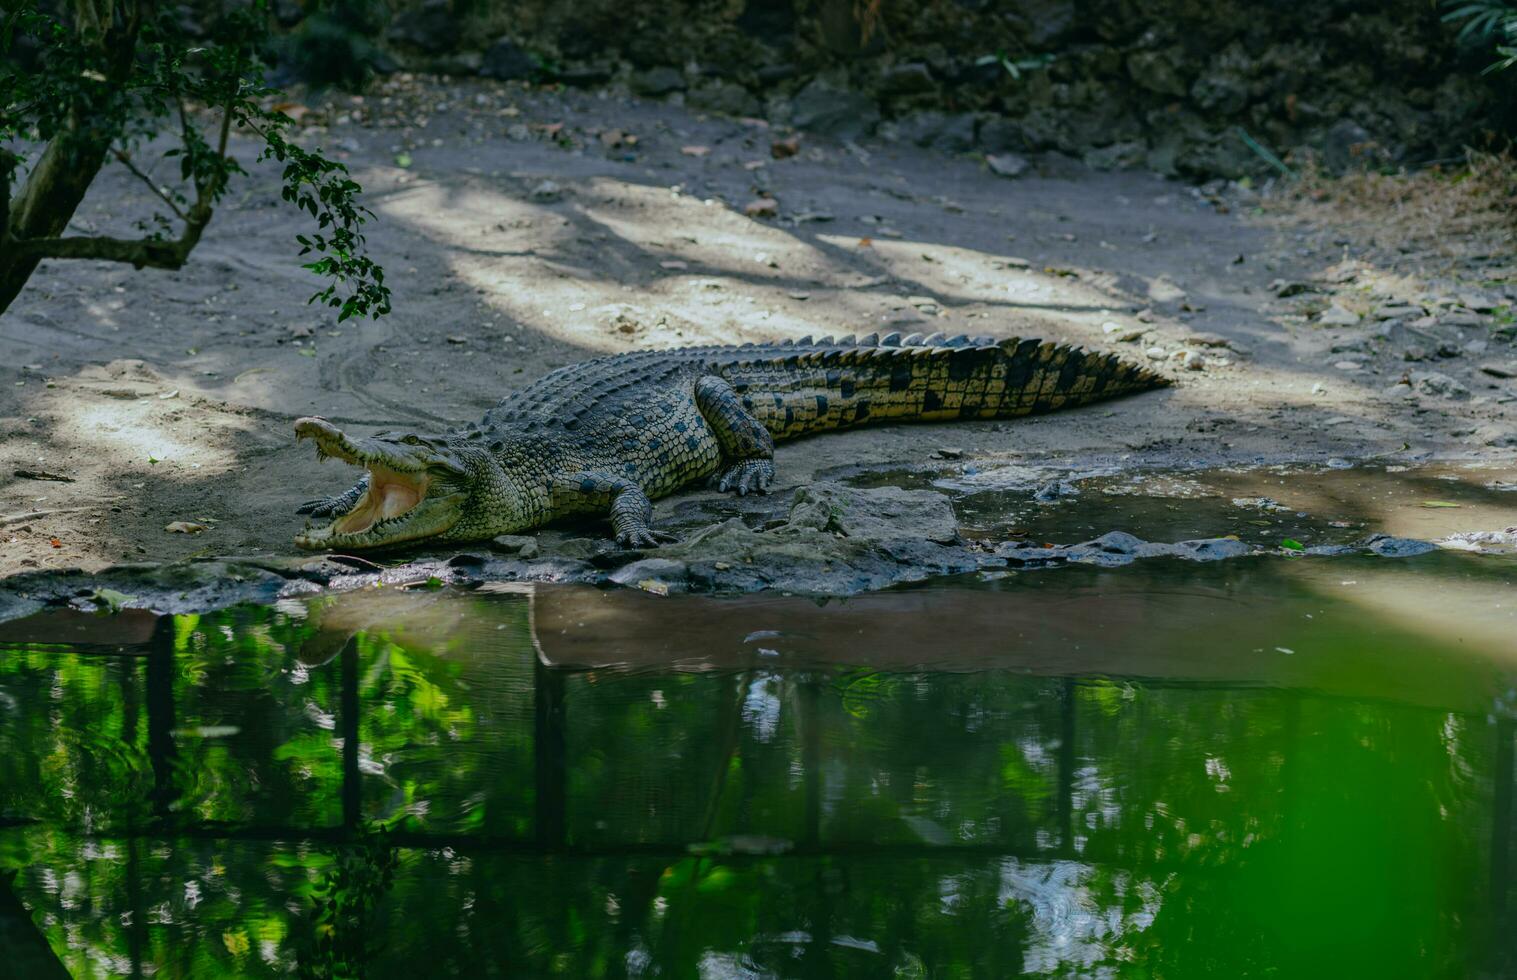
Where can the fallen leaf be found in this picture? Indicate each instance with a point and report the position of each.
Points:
(1440, 503)
(402, 160)
(695, 151)
(866, 242)
(55, 542)
(184, 527)
(780, 149)
(1291, 544)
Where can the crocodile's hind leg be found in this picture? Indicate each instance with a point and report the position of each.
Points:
(340, 504)
(623, 501)
(747, 447)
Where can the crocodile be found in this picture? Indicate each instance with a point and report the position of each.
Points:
(608, 436)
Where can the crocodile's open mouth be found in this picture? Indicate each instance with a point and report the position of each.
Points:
(409, 495)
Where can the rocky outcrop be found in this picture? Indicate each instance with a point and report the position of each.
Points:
(1177, 86)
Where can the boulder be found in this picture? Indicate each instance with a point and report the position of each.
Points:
(433, 27)
(507, 61)
(823, 108)
(656, 81)
(727, 98)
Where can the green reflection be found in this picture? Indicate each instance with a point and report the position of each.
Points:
(389, 782)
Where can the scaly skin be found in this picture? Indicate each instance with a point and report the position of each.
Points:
(610, 435)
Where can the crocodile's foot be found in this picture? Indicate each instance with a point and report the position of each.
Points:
(747, 475)
(642, 536)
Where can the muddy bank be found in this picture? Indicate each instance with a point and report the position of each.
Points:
(839, 539)
(526, 230)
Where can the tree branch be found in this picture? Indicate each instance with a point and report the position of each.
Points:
(126, 161)
(140, 253)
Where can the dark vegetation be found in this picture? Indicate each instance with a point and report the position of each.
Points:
(134, 83)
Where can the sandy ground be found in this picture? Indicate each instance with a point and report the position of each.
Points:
(514, 247)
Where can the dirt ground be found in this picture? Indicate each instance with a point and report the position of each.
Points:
(524, 230)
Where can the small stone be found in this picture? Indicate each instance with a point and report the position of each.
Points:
(1006, 164)
(1396, 312)
(1337, 316)
(1286, 288)
(656, 81)
(520, 545)
(1347, 365)
(1192, 360)
(1156, 353)
(1507, 369)
(948, 453)
(764, 207)
(547, 190)
(1437, 383)
(1163, 291)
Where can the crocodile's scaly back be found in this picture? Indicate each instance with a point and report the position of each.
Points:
(798, 388)
(803, 388)
(608, 435)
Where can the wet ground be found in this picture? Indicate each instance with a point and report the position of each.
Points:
(525, 229)
(1292, 762)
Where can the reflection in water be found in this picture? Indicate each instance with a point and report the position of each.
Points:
(1083, 775)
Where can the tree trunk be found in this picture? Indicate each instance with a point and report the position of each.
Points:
(47, 203)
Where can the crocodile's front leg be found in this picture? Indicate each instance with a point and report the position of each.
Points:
(342, 503)
(622, 500)
(747, 447)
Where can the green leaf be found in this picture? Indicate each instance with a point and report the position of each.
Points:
(402, 159)
(1440, 503)
(1291, 544)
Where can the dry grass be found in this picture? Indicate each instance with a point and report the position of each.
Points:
(1452, 211)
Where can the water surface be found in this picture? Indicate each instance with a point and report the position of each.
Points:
(1261, 768)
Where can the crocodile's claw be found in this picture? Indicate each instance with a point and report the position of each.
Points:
(643, 537)
(321, 507)
(747, 475)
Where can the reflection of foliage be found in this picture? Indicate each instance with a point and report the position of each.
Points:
(343, 940)
(798, 823)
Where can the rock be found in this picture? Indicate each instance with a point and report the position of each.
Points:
(1397, 312)
(727, 98)
(1480, 302)
(521, 545)
(1458, 319)
(1048, 21)
(656, 81)
(1506, 369)
(763, 207)
(1162, 290)
(585, 75)
(1118, 156)
(1337, 316)
(432, 27)
(880, 514)
(908, 79)
(1191, 360)
(1437, 383)
(1286, 288)
(1347, 145)
(1496, 435)
(1006, 164)
(951, 134)
(1157, 72)
(1392, 547)
(657, 575)
(506, 61)
(999, 134)
(823, 108)
(546, 191)
(1224, 91)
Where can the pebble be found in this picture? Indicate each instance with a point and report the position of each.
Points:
(547, 191)
(1006, 164)
(1347, 365)
(1156, 353)
(1337, 316)
(1507, 369)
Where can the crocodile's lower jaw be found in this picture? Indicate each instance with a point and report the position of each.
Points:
(396, 509)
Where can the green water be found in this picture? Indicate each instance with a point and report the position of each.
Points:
(1262, 768)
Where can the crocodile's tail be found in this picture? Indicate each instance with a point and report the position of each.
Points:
(808, 386)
